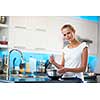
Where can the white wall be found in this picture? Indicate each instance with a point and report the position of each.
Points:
(97, 70)
(44, 31)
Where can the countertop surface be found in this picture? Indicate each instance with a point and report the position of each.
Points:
(40, 78)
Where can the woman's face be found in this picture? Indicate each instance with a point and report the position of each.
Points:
(68, 34)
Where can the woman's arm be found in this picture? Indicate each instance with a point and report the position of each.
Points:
(59, 66)
(82, 68)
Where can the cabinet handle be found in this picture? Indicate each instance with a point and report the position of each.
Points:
(21, 27)
(20, 47)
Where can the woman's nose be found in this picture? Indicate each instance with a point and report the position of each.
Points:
(68, 36)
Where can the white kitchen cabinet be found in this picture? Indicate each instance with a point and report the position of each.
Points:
(19, 37)
(27, 32)
(37, 32)
(43, 33)
(17, 31)
(18, 21)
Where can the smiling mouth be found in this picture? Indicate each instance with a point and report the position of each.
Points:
(69, 38)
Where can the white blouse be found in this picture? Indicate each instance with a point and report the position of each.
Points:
(72, 57)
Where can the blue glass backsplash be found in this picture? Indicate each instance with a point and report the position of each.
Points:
(90, 18)
(39, 56)
(26, 56)
(92, 61)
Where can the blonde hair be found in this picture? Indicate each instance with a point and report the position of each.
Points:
(68, 26)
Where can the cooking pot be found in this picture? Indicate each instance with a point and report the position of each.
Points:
(53, 74)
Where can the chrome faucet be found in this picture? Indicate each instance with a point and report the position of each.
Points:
(22, 59)
(16, 50)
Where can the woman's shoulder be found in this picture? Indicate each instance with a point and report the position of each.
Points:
(84, 44)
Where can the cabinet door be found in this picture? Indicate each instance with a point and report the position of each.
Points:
(36, 39)
(18, 21)
(19, 37)
(17, 31)
(36, 32)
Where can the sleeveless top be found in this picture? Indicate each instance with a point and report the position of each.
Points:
(72, 57)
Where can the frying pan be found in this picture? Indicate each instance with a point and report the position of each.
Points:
(53, 74)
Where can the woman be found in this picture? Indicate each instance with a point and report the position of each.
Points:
(74, 55)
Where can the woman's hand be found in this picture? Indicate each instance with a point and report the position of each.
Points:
(52, 60)
(62, 70)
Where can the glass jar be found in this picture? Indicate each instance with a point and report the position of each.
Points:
(2, 19)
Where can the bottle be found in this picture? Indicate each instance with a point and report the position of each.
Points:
(5, 63)
(28, 67)
(5, 57)
(42, 66)
(32, 62)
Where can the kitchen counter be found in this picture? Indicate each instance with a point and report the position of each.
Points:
(41, 78)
